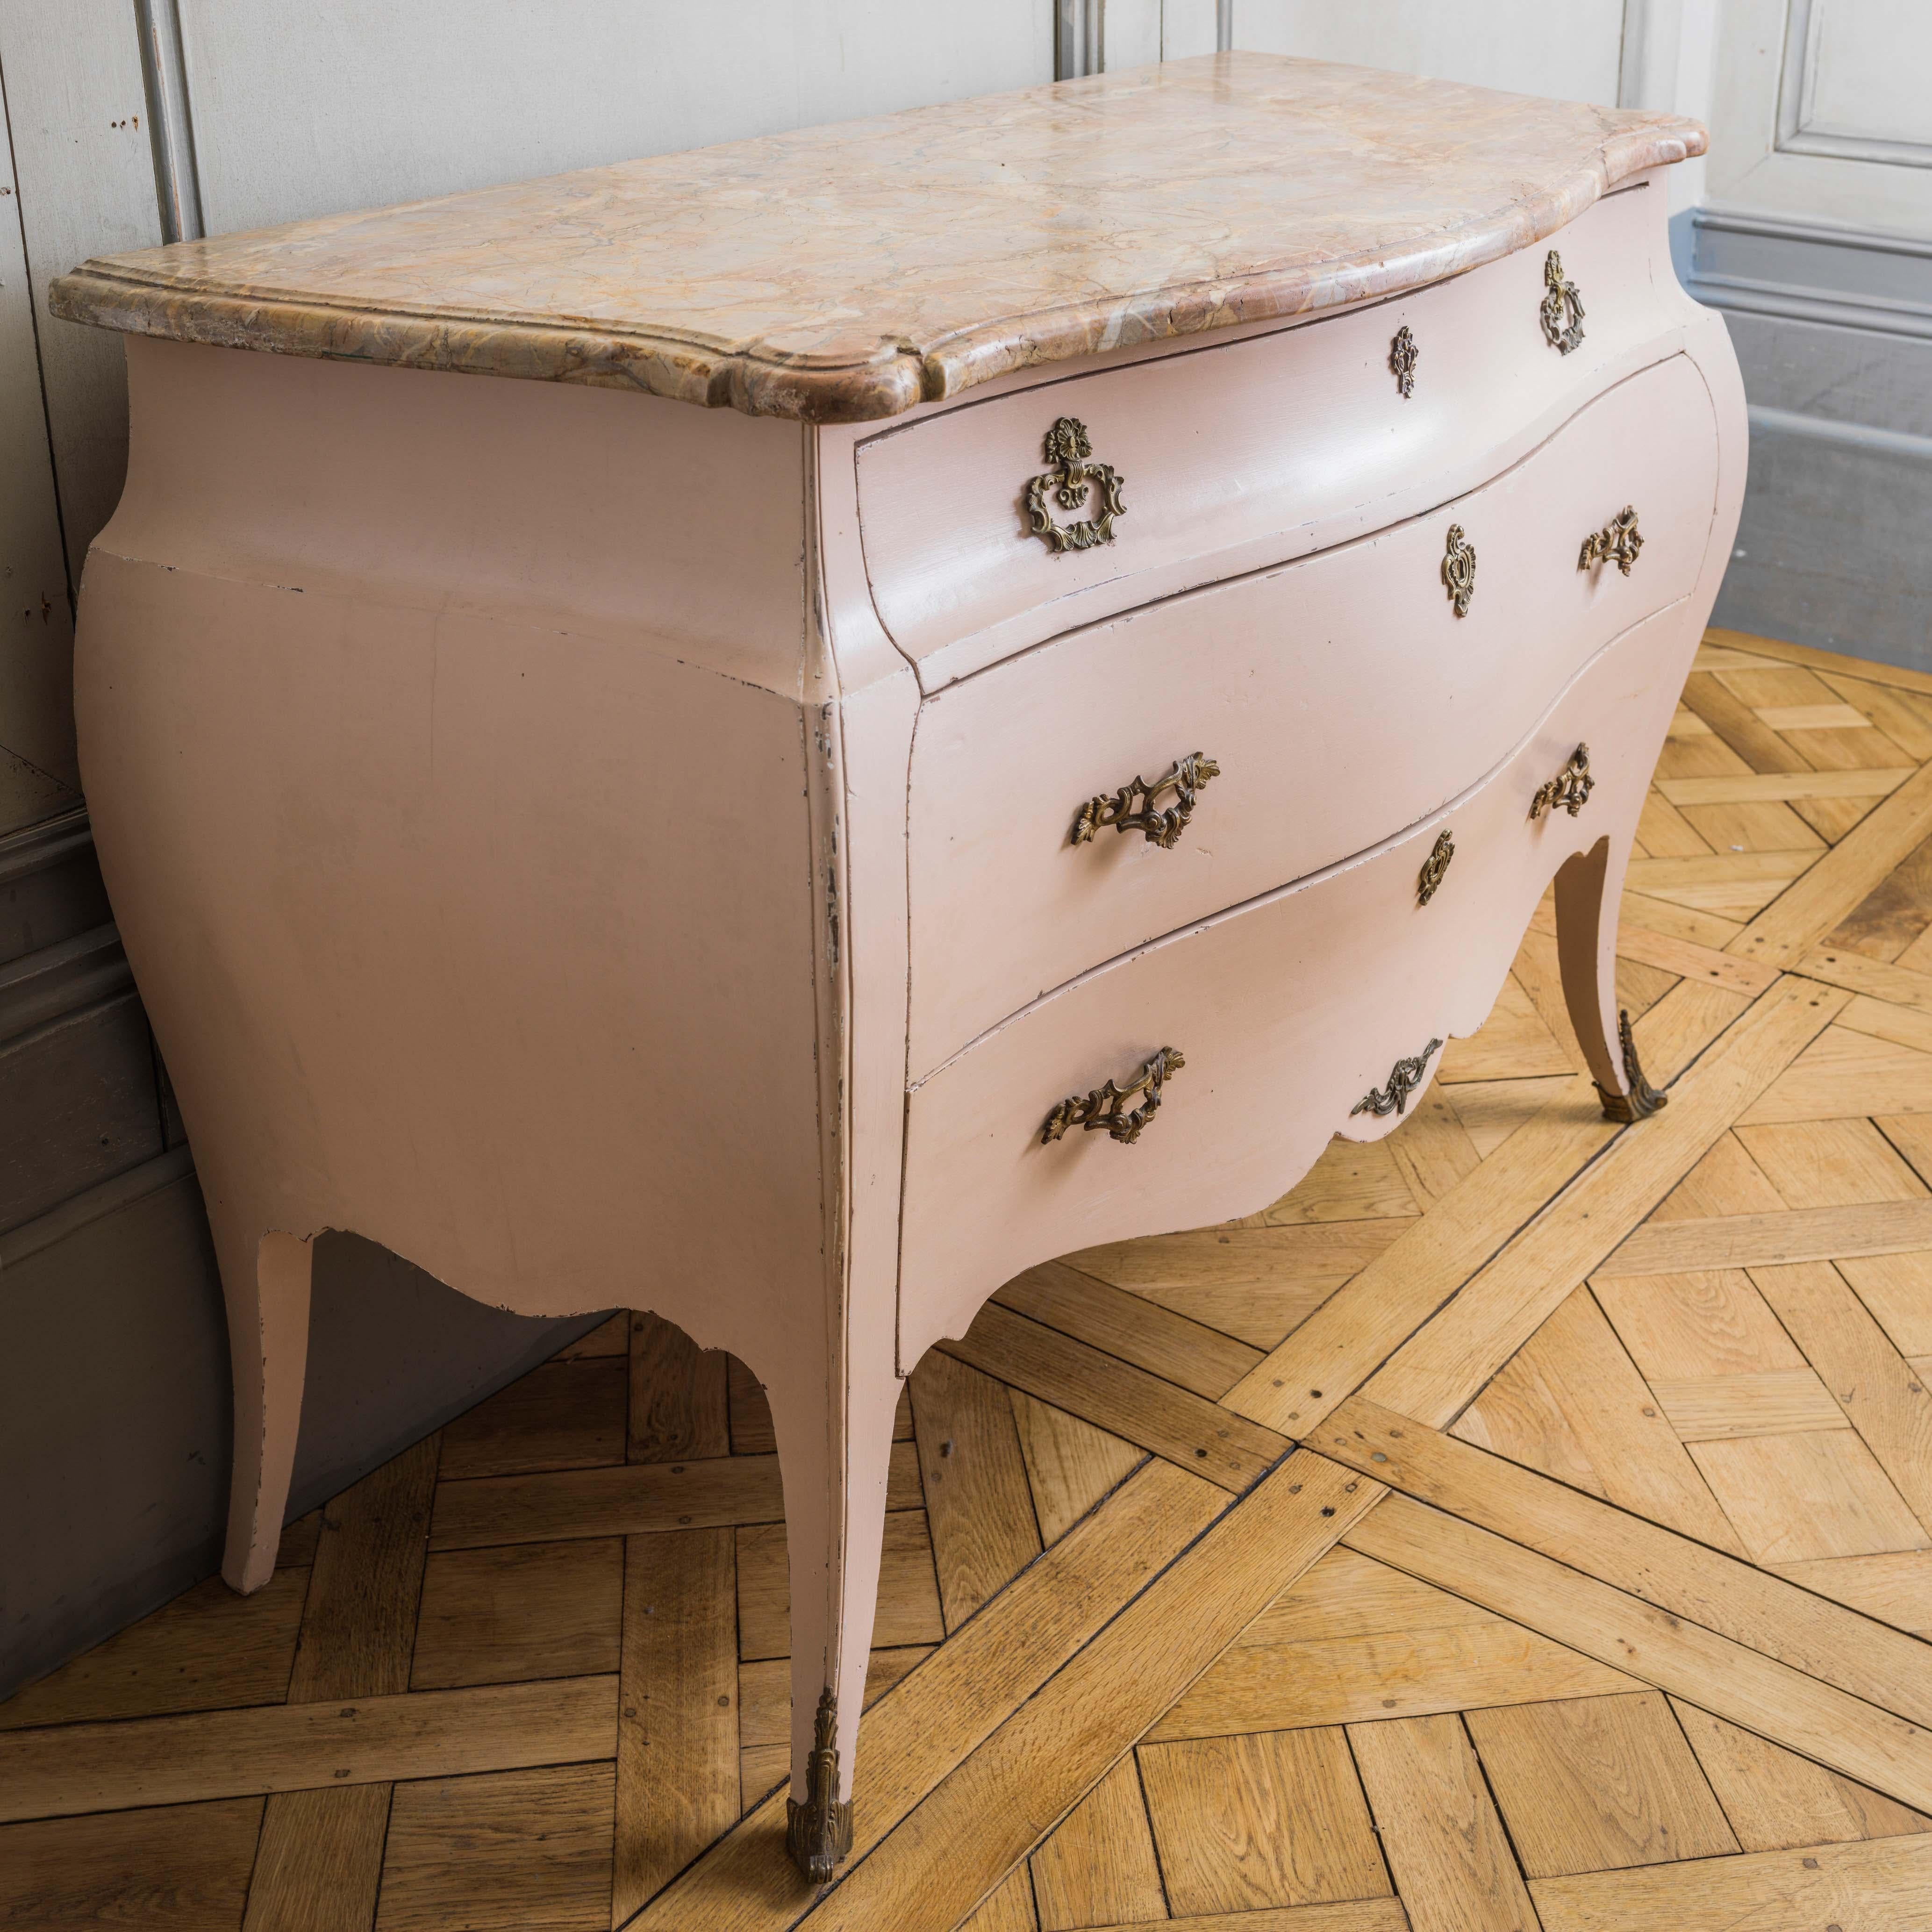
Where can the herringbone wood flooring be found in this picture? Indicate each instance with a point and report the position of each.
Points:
(1591, 1597)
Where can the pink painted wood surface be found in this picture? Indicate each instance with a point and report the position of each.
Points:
(1341, 695)
(1288, 1011)
(1240, 455)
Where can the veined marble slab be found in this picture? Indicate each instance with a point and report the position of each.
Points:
(844, 273)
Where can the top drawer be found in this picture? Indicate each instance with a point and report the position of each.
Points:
(1241, 455)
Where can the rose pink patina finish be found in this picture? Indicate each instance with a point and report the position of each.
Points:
(618, 854)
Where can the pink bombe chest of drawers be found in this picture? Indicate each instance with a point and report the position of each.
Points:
(779, 734)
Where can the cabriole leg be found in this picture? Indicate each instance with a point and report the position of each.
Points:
(834, 1527)
(1588, 890)
(265, 1280)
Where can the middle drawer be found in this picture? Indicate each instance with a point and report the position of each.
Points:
(1341, 697)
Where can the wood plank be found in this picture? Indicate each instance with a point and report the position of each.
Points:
(1431, 1376)
(1799, 787)
(1765, 1241)
(1627, 1441)
(1598, 1784)
(1896, 1588)
(1248, 1822)
(1821, 1493)
(1903, 1026)
(1773, 1798)
(676, 1786)
(1321, 1252)
(1840, 1163)
(319, 1864)
(1863, 1658)
(979, 1507)
(679, 1408)
(1070, 1464)
(1783, 1402)
(535, 1609)
(1898, 986)
(1733, 885)
(1201, 1359)
(1893, 913)
(1881, 1887)
(1743, 644)
(1350, 1181)
(915, 1735)
(562, 1415)
(182, 1869)
(981, 1819)
(1847, 1076)
(1739, 725)
(1186, 1430)
(1098, 1866)
(1663, 832)
(1691, 1660)
(1356, 1915)
(1445, 1844)
(1897, 1289)
(1010, 1908)
(1343, 1342)
(1837, 717)
(1396, 1674)
(359, 1625)
(908, 1600)
(1886, 1401)
(1754, 825)
(1513, 1042)
(1520, 1415)
(612, 1337)
(526, 1851)
(1690, 961)
(208, 1650)
(145, 1761)
(1902, 719)
(1491, 1111)
(1347, 1595)
(1795, 923)
(622, 1501)
(1638, 912)
(1432, 1148)
(1725, 1181)
(320, 1859)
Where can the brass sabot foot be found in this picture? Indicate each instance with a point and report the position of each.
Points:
(818, 1833)
(1643, 1099)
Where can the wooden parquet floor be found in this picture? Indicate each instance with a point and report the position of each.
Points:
(1526, 1522)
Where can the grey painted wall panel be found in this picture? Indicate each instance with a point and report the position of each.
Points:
(114, 1414)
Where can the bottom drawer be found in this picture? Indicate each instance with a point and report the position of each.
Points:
(1288, 1009)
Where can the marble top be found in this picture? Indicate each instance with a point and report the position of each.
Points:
(845, 273)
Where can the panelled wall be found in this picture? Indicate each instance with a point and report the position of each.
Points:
(132, 121)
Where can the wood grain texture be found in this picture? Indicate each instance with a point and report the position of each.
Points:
(1881, 1887)
(1598, 1784)
(978, 1503)
(1269, 1820)
(676, 1786)
(1099, 1866)
(679, 1407)
(1445, 1845)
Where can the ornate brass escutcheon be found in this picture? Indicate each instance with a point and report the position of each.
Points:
(1161, 828)
(818, 1833)
(1562, 309)
(1071, 479)
(1434, 866)
(1571, 788)
(1404, 1076)
(1402, 353)
(1103, 1108)
(1618, 542)
(1458, 570)
(1643, 1099)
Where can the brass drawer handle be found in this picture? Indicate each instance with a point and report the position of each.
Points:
(1161, 828)
(1404, 1076)
(1562, 309)
(1618, 542)
(1068, 449)
(1458, 570)
(1103, 1107)
(1434, 867)
(1571, 787)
